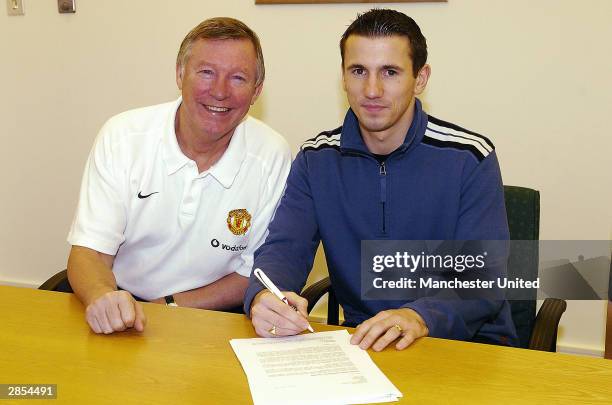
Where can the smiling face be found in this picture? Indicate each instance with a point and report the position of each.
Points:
(381, 88)
(218, 85)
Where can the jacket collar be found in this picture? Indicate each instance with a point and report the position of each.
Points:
(351, 138)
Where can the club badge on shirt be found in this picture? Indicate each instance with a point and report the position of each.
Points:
(239, 221)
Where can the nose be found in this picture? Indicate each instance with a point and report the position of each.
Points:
(373, 87)
(219, 88)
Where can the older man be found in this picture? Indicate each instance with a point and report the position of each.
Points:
(176, 197)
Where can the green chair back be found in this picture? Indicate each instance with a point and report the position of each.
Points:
(523, 211)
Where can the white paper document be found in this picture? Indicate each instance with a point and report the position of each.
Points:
(317, 368)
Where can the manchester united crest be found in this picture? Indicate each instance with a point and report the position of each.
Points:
(239, 221)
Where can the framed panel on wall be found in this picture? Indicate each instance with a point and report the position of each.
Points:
(344, 1)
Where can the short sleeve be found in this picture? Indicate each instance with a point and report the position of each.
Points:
(276, 172)
(100, 219)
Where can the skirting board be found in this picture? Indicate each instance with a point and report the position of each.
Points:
(15, 283)
(581, 351)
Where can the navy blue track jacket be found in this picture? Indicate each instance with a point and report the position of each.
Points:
(443, 183)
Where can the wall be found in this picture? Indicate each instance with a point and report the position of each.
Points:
(534, 76)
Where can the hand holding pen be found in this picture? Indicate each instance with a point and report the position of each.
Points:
(278, 314)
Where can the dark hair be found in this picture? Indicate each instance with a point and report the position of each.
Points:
(385, 23)
(221, 28)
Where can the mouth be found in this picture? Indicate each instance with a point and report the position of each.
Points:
(373, 107)
(215, 109)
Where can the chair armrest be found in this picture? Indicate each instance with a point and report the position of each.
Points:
(52, 283)
(315, 291)
(608, 350)
(544, 334)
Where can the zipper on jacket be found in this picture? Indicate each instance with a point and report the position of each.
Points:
(383, 193)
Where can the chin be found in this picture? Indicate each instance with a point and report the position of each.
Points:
(374, 126)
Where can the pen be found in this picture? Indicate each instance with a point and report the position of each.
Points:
(261, 276)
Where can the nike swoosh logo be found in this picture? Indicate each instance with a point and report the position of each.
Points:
(145, 196)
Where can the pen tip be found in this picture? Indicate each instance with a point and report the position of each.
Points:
(310, 329)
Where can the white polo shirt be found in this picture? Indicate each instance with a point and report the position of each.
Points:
(171, 228)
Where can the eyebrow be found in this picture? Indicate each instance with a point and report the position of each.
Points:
(213, 65)
(384, 67)
(394, 67)
(355, 66)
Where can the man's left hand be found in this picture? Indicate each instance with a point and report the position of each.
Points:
(387, 326)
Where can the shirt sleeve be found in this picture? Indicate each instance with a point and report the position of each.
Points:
(100, 218)
(276, 175)
(288, 252)
(482, 217)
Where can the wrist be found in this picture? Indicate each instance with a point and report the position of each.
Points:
(96, 294)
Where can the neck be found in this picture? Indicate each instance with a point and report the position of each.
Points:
(386, 141)
(197, 146)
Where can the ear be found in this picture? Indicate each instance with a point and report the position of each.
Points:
(422, 79)
(179, 76)
(258, 90)
(343, 78)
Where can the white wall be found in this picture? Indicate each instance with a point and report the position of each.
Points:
(533, 76)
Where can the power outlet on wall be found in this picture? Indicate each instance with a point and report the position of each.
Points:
(14, 7)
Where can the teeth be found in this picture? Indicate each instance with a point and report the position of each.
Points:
(217, 109)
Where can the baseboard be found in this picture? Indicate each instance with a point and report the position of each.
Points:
(16, 283)
(580, 351)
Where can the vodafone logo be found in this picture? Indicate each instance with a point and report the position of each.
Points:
(231, 248)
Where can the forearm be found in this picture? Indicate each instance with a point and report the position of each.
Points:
(90, 274)
(225, 293)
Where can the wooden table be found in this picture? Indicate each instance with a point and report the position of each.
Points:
(184, 357)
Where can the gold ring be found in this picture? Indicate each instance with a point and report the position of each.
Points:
(399, 328)
(272, 330)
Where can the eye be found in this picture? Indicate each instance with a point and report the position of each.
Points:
(206, 72)
(391, 72)
(358, 71)
(239, 78)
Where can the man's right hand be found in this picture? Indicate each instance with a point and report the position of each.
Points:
(115, 311)
(269, 314)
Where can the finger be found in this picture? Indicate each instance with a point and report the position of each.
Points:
(114, 316)
(365, 327)
(140, 319)
(285, 312)
(389, 336)
(101, 317)
(127, 312)
(263, 318)
(263, 328)
(280, 321)
(360, 332)
(93, 323)
(408, 338)
(299, 302)
(259, 326)
(96, 324)
(374, 332)
(282, 330)
(279, 331)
